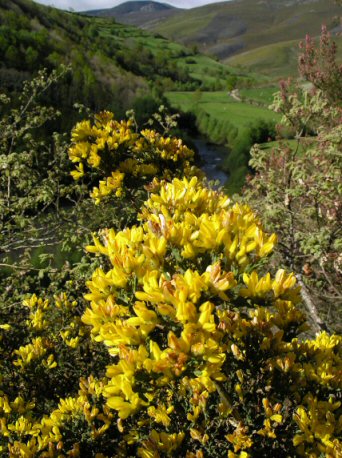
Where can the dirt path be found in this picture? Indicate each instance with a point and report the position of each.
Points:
(235, 95)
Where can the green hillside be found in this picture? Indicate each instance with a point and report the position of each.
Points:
(113, 65)
(33, 36)
(229, 28)
(276, 60)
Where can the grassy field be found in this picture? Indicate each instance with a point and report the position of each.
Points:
(186, 25)
(260, 95)
(219, 116)
(127, 35)
(221, 106)
(258, 37)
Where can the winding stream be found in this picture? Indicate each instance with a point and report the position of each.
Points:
(212, 156)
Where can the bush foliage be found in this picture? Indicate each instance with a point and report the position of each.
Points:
(184, 344)
(297, 188)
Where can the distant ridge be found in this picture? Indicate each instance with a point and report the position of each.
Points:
(140, 13)
(229, 28)
(232, 27)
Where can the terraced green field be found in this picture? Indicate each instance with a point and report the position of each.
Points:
(259, 37)
(203, 68)
(222, 107)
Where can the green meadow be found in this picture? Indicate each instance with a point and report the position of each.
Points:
(260, 95)
(226, 120)
(221, 106)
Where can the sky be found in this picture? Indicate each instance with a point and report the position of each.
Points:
(83, 5)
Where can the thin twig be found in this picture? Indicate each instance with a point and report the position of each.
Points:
(27, 268)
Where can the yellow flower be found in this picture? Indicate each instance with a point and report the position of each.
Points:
(283, 282)
(124, 408)
(206, 317)
(32, 351)
(79, 152)
(317, 424)
(161, 414)
(256, 287)
(5, 405)
(220, 281)
(82, 131)
(162, 441)
(50, 362)
(242, 454)
(28, 450)
(240, 438)
(273, 419)
(199, 436)
(107, 187)
(78, 173)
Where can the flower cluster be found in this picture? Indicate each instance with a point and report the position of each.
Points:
(29, 437)
(121, 155)
(40, 376)
(180, 309)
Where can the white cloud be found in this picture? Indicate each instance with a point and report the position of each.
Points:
(83, 5)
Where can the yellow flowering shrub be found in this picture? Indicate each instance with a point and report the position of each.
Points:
(187, 346)
(205, 358)
(126, 158)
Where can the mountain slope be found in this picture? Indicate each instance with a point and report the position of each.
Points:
(276, 60)
(112, 64)
(228, 28)
(140, 13)
(34, 36)
(132, 7)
